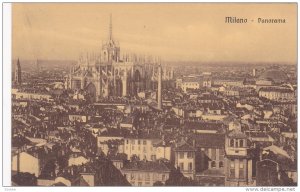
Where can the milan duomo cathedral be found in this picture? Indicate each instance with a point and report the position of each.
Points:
(107, 74)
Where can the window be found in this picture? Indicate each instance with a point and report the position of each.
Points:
(221, 164)
(190, 155)
(231, 142)
(181, 155)
(236, 143)
(163, 177)
(132, 147)
(140, 183)
(132, 142)
(144, 142)
(139, 142)
(190, 166)
(127, 141)
(241, 143)
(213, 164)
(181, 166)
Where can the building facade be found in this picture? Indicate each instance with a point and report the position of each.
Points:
(185, 159)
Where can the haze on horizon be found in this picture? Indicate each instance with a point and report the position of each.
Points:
(174, 31)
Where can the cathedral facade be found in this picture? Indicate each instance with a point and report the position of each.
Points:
(108, 74)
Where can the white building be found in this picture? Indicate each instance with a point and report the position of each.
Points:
(185, 159)
(276, 93)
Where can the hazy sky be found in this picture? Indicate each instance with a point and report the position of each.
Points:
(182, 31)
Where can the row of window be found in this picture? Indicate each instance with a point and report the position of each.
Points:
(191, 84)
(190, 166)
(138, 142)
(214, 164)
(146, 176)
(189, 155)
(139, 148)
(237, 143)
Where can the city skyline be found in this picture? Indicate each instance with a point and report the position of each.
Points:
(160, 94)
(49, 31)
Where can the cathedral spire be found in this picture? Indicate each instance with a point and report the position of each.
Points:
(110, 27)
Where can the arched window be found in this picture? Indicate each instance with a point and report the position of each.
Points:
(213, 164)
(241, 143)
(221, 164)
(231, 142)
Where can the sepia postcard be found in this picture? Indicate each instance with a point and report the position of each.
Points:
(154, 94)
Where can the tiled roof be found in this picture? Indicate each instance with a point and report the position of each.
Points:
(185, 147)
(209, 140)
(203, 125)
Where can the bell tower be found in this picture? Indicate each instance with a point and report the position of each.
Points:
(18, 73)
(238, 161)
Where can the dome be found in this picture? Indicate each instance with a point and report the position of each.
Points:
(276, 75)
